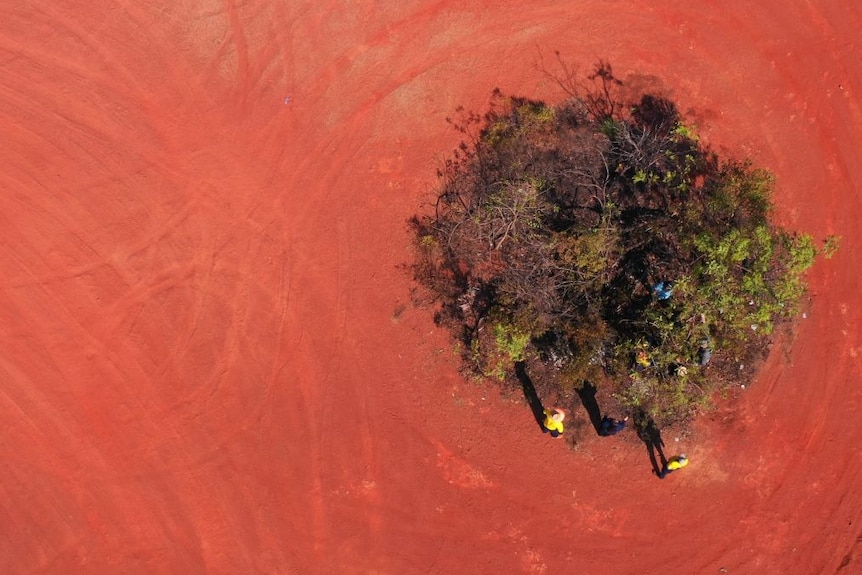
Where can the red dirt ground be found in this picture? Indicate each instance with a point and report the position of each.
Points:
(209, 359)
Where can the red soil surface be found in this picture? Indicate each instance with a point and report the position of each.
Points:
(209, 359)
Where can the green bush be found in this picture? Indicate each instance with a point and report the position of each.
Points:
(554, 226)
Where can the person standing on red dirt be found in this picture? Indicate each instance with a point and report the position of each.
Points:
(554, 421)
(611, 426)
(674, 463)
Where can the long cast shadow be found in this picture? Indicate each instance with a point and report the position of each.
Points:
(531, 395)
(587, 393)
(649, 433)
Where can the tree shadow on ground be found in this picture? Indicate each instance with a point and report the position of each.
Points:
(649, 433)
(530, 394)
(587, 393)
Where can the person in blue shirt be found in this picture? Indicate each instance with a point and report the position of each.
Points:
(663, 290)
(611, 426)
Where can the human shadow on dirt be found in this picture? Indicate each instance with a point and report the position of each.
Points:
(531, 395)
(649, 433)
(587, 394)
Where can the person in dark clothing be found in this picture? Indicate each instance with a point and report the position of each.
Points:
(611, 426)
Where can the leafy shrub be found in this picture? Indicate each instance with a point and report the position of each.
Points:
(605, 241)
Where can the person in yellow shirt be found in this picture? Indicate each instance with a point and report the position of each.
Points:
(554, 421)
(674, 463)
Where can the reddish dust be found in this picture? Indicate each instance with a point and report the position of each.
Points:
(210, 361)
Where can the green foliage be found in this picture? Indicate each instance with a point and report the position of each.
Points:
(685, 132)
(740, 195)
(798, 258)
(538, 111)
(609, 128)
(510, 341)
(554, 227)
(495, 351)
(830, 246)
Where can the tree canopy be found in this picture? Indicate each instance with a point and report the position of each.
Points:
(601, 240)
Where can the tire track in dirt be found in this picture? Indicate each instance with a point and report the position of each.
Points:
(188, 464)
(812, 414)
(826, 402)
(240, 47)
(349, 123)
(306, 429)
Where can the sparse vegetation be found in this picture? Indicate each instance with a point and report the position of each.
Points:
(604, 241)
